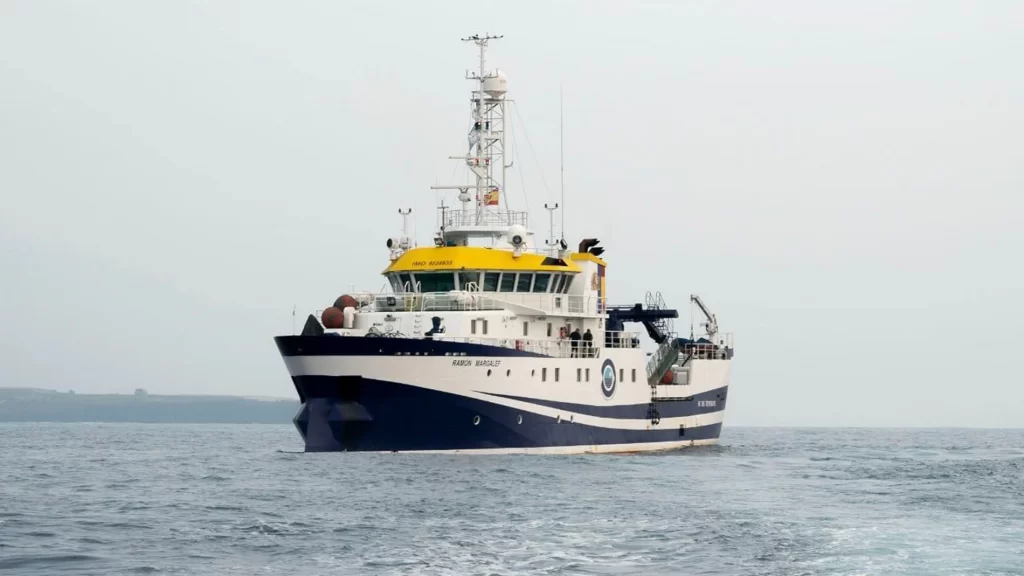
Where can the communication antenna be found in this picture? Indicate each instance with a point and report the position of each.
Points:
(551, 219)
(405, 220)
(561, 156)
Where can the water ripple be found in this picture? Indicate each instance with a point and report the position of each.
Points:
(207, 499)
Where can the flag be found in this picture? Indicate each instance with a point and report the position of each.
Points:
(491, 197)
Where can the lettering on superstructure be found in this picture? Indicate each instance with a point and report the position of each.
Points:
(424, 263)
(485, 363)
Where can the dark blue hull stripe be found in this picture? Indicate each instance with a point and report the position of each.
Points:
(703, 403)
(333, 345)
(350, 413)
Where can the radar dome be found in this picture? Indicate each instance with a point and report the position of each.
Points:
(496, 85)
(516, 235)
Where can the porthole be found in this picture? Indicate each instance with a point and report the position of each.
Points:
(520, 419)
(508, 372)
(488, 371)
(571, 418)
(533, 373)
(558, 419)
(476, 420)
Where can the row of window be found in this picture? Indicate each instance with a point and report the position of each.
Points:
(536, 282)
(582, 374)
(483, 327)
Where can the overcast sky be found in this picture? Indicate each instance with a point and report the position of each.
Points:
(840, 181)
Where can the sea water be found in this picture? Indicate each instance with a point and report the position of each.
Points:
(238, 499)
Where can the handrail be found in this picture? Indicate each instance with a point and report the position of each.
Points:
(465, 218)
(553, 348)
(621, 339)
(470, 300)
(666, 354)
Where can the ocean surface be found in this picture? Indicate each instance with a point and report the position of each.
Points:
(241, 499)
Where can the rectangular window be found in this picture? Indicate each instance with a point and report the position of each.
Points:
(541, 283)
(579, 374)
(472, 326)
(566, 284)
(549, 329)
(508, 281)
(634, 374)
(523, 285)
(556, 374)
(406, 281)
(526, 328)
(558, 283)
(491, 281)
(588, 374)
(469, 281)
(543, 374)
(435, 281)
(558, 301)
(622, 374)
(485, 326)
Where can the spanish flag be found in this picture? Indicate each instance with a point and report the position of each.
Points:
(491, 197)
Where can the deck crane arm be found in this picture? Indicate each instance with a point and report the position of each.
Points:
(712, 322)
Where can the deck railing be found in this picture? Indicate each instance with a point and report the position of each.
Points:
(457, 300)
(554, 348)
(487, 218)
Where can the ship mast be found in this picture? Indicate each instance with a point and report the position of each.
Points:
(481, 215)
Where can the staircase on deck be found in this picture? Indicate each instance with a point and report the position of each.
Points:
(656, 317)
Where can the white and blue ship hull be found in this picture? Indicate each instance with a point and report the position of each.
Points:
(420, 395)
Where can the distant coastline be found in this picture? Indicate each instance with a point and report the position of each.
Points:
(41, 405)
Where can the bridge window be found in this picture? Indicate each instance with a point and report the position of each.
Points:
(566, 284)
(541, 283)
(558, 283)
(406, 283)
(469, 281)
(523, 284)
(435, 281)
(491, 281)
(508, 281)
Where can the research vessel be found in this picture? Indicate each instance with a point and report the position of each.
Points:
(488, 341)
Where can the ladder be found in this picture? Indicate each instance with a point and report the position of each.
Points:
(655, 301)
(663, 358)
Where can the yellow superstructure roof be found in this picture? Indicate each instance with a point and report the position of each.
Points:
(476, 258)
(588, 256)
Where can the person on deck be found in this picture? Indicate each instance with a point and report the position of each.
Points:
(588, 341)
(574, 340)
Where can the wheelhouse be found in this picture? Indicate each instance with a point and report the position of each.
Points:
(427, 281)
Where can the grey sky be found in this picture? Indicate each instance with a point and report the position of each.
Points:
(841, 182)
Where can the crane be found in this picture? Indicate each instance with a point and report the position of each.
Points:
(712, 323)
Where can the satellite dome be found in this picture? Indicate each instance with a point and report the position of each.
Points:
(496, 85)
